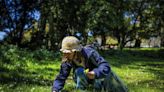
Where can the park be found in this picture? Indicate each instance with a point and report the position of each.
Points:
(127, 33)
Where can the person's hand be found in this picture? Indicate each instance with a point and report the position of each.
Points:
(54, 91)
(91, 74)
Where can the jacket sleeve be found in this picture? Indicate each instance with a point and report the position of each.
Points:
(59, 82)
(103, 67)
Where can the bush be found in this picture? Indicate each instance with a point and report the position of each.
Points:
(43, 54)
(12, 53)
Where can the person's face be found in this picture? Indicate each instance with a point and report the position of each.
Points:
(69, 56)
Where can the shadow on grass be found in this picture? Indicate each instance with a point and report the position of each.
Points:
(146, 61)
(146, 84)
(25, 69)
(25, 80)
(12, 76)
(127, 57)
(18, 75)
(149, 53)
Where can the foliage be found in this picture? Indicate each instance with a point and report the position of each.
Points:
(12, 53)
(43, 54)
(17, 16)
(126, 20)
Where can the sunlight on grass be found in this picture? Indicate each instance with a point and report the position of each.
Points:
(13, 87)
(142, 76)
(27, 74)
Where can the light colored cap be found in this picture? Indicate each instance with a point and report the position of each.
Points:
(70, 44)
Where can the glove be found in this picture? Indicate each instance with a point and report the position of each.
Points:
(86, 71)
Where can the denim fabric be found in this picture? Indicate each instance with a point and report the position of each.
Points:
(81, 79)
(115, 84)
(82, 82)
(110, 83)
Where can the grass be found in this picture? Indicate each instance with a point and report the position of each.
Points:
(140, 74)
(26, 73)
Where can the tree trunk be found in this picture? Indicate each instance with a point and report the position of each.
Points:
(20, 28)
(20, 34)
(84, 34)
(122, 43)
(42, 28)
(103, 40)
(137, 43)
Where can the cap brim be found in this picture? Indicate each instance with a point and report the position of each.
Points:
(65, 51)
(79, 48)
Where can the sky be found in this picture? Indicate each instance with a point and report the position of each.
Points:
(36, 16)
(2, 35)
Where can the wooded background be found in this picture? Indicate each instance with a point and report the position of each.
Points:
(43, 23)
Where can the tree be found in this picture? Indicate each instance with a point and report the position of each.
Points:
(131, 18)
(17, 18)
(99, 18)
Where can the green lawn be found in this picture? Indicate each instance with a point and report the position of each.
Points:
(140, 74)
(22, 73)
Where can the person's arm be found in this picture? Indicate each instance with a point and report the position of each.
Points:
(59, 82)
(103, 68)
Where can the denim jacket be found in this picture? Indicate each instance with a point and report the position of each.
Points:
(94, 62)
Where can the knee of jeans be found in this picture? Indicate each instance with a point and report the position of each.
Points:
(79, 71)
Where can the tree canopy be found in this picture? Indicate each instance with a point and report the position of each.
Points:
(47, 21)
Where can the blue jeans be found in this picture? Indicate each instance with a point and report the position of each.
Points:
(82, 82)
(111, 83)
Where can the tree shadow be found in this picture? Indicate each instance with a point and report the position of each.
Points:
(139, 60)
(20, 75)
(130, 57)
(145, 84)
(12, 76)
(158, 54)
